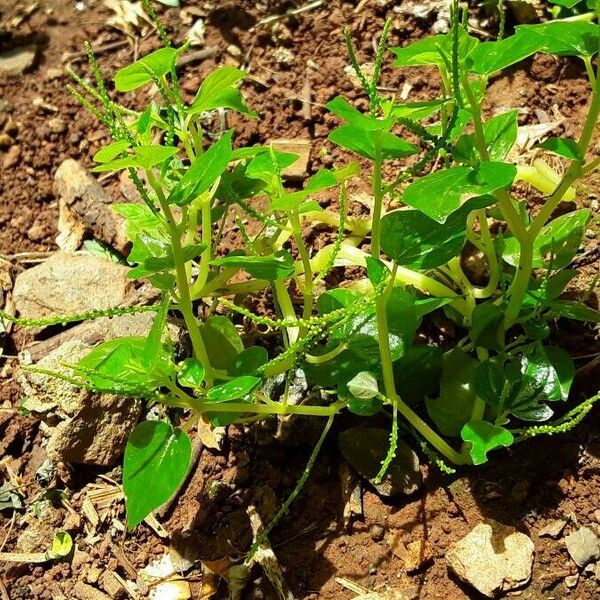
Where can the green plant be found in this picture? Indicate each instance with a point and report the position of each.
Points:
(356, 342)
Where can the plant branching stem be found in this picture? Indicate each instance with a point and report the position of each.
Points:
(183, 285)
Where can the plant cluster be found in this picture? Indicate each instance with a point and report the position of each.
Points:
(357, 342)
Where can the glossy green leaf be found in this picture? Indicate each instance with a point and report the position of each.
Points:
(501, 134)
(335, 299)
(484, 437)
(361, 333)
(566, 147)
(415, 240)
(575, 310)
(556, 244)
(191, 373)
(152, 66)
(439, 194)
(219, 90)
(343, 109)
(111, 151)
(363, 142)
(417, 374)
(429, 50)
(490, 57)
(486, 326)
(234, 389)
(363, 386)
(222, 342)
(567, 38)
(323, 179)
(377, 271)
(524, 384)
(204, 171)
(273, 267)
(157, 459)
(416, 110)
(364, 407)
(121, 365)
(454, 406)
(249, 361)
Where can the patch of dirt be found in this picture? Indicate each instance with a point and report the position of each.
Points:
(527, 487)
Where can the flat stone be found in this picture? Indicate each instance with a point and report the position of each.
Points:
(17, 60)
(68, 284)
(583, 545)
(493, 558)
(364, 448)
(553, 529)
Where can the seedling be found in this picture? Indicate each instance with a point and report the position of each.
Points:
(357, 342)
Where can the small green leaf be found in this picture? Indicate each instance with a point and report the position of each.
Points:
(439, 194)
(234, 389)
(566, 147)
(335, 299)
(483, 437)
(376, 270)
(363, 142)
(191, 373)
(152, 66)
(120, 365)
(204, 171)
(219, 90)
(415, 240)
(222, 341)
(343, 109)
(486, 326)
(363, 386)
(157, 458)
(575, 310)
(249, 361)
(417, 374)
(556, 244)
(364, 408)
(111, 151)
(454, 406)
(273, 267)
(62, 545)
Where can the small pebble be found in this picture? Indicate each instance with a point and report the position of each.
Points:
(57, 125)
(54, 73)
(36, 233)
(5, 141)
(11, 128)
(377, 532)
(12, 157)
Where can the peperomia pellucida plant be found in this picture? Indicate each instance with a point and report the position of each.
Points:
(452, 186)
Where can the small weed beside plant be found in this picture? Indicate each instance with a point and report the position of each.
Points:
(355, 342)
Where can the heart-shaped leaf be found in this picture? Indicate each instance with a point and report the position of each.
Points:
(157, 458)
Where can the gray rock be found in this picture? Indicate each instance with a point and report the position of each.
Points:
(85, 208)
(84, 427)
(364, 448)
(493, 558)
(583, 545)
(69, 284)
(17, 60)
